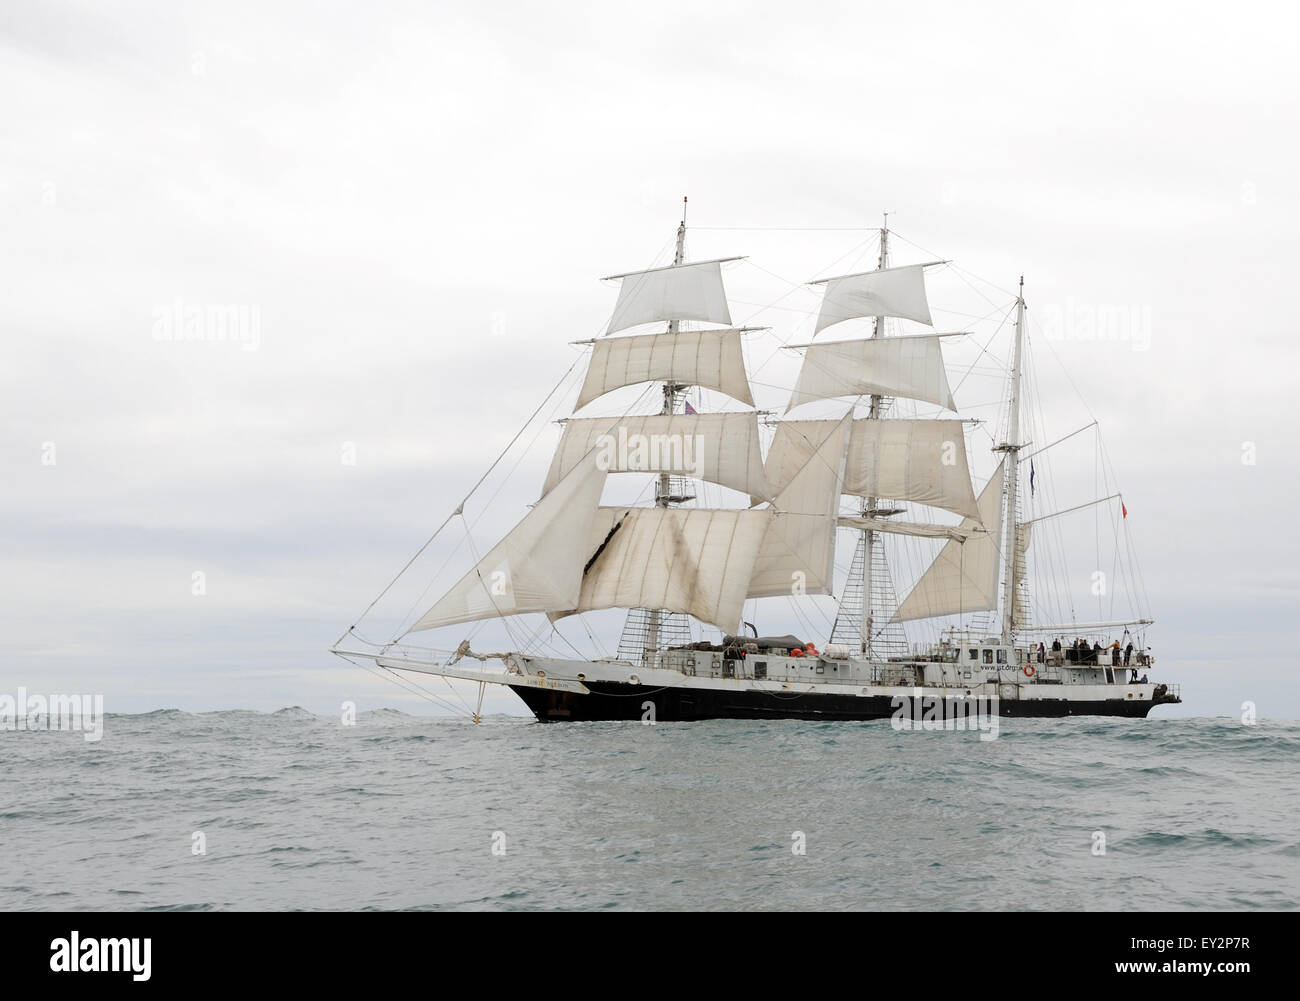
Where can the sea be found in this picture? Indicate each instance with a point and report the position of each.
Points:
(242, 810)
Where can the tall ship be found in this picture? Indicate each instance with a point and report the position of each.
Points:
(887, 465)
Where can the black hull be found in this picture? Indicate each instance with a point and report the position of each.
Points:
(614, 701)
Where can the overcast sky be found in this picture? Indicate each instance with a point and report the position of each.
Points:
(408, 206)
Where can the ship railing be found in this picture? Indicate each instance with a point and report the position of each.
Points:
(893, 676)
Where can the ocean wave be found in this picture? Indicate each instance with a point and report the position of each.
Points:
(298, 811)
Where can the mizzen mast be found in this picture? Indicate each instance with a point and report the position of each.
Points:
(1012, 446)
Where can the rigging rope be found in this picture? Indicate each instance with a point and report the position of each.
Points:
(405, 683)
(460, 508)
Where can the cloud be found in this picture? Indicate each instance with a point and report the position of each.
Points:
(411, 207)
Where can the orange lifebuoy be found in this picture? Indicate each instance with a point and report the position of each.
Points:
(1029, 670)
(796, 652)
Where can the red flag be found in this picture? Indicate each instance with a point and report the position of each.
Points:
(1123, 508)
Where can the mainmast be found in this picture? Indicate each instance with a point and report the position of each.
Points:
(664, 491)
(869, 503)
(875, 406)
(1012, 447)
(869, 369)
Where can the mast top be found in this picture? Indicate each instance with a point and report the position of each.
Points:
(680, 255)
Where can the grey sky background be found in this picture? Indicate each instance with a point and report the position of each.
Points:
(414, 202)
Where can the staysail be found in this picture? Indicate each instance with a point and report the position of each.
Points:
(537, 567)
(798, 553)
(1018, 619)
(963, 577)
(911, 460)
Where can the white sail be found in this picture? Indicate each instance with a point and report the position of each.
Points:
(919, 529)
(887, 292)
(719, 448)
(537, 567)
(1023, 533)
(678, 292)
(913, 460)
(891, 366)
(709, 358)
(693, 560)
(798, 554)
(962, 578)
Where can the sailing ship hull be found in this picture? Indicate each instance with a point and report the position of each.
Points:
(616, 701)
(570, 554)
